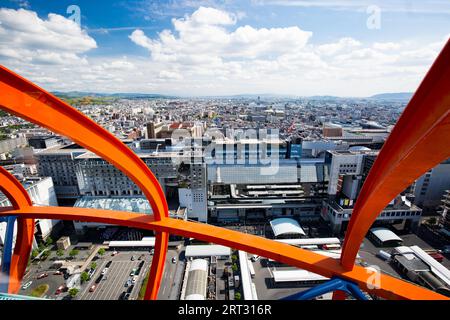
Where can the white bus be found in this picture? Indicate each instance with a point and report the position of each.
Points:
(251, 269)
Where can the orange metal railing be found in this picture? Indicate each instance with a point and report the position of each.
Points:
(419, 141)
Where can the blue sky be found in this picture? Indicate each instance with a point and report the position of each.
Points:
(224, 46)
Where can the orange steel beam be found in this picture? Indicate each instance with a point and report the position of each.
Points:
(13, 190)
(389, 287)
(157, 268)
(19, 199)
(30, 102)
(419, 141)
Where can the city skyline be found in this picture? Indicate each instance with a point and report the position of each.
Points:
(235, 152)
(221, 48)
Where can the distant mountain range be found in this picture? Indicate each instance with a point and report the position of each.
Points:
(398, 96)
(78, 94)
(393, 96)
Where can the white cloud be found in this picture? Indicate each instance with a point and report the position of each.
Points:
(386, 46)
(207, 50)
(344, 44)
(28, 41)
(171, 75)
(208, 53)
(202, 37)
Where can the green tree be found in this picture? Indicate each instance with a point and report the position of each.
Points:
(45, 254)
(84, 276)
(237, 296)
(41, 247)
(73, 292)
(94, 265)
(233, 257)
(49, 241)
(60, 252)
(34, 253)
(101, 251)
(74, 253)
(234, 267)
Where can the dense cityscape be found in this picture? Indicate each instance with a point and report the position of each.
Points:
(224, 158)
(283, 168)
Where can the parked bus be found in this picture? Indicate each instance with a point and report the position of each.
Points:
(251, 269)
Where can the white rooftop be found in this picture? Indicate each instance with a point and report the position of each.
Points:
(199, 264)
(384, 235)
(207, 251)
(310, 241)
(286, 226)
(125, 244)
(296, 275)
(132, 204)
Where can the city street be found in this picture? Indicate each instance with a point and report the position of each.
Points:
(172, 277)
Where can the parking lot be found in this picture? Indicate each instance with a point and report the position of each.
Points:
(116, 277)
(53, 282)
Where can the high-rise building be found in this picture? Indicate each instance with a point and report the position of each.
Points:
(42, 193)
(431, 186)
(59, 163)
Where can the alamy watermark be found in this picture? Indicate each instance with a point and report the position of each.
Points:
(374, 20)
(75, 13)
(374, 279)
(259, 148)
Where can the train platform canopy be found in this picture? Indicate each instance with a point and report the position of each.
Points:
(284, 226)
(197, 281)
(133, 244)
(385, 236)
(297, 275)
(207, 251)
(310, 241)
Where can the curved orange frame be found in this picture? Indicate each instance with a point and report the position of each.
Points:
(411, 139)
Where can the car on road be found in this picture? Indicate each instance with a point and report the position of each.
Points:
(130, 288)
(57, 273)
(174, 260)
(133, 258)
(100, 277)
(133, 281)
(104, 271)
(114, 253)
(124, 296)
(42, 275)
(133, 272)
(60, 289)
(128, 283)
(152, 252)
(27, 285)
(255, 258)
(92, 288)
(91, 273)
(141, 257)
(108, 264)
